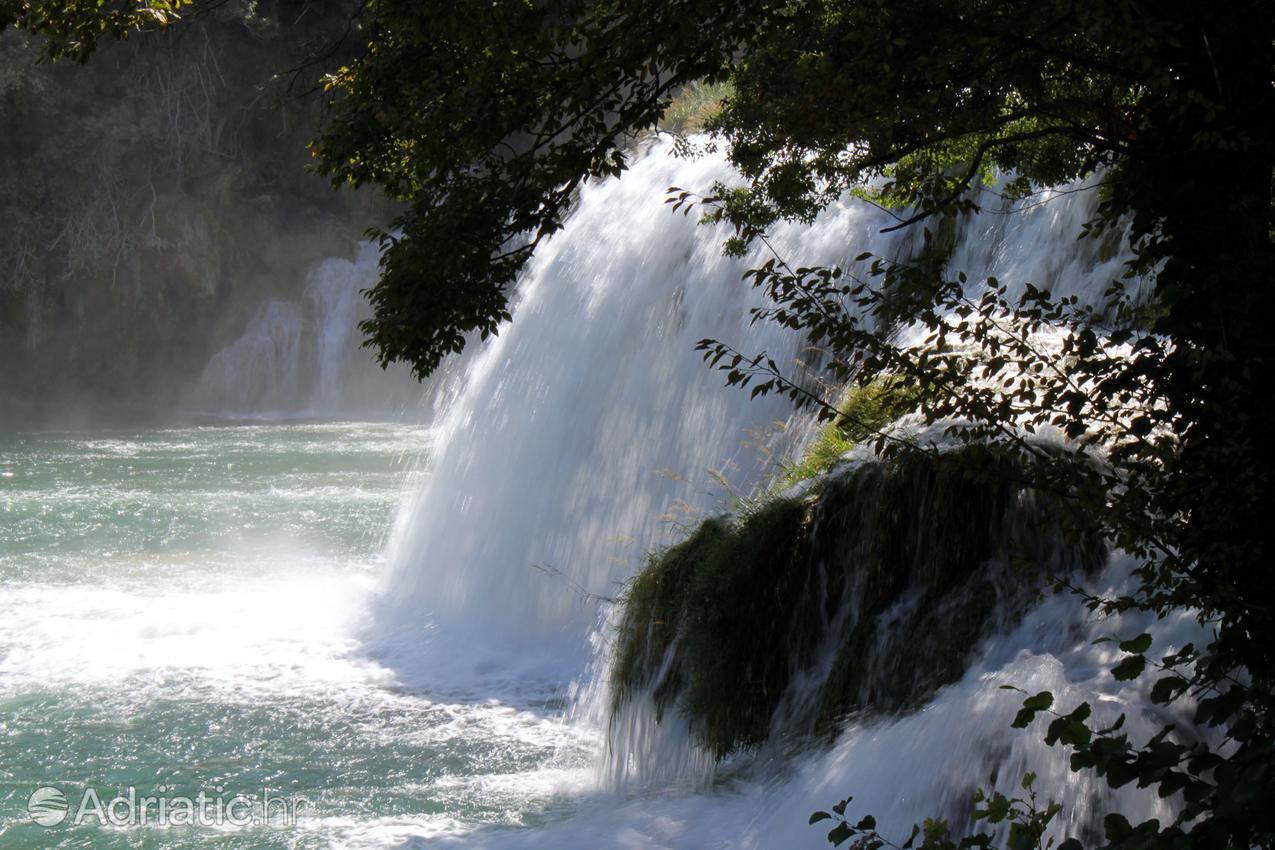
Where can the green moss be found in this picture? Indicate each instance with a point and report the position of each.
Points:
(866, 409)
(740, 604)
(653, 608)
(726, 597)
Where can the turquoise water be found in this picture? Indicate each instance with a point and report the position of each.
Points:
(182, 611)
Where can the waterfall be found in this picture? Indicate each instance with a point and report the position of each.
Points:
(259, 370)
(589, 430)
(334, 292)
(302, 356)
(586, 431)
(589, 433)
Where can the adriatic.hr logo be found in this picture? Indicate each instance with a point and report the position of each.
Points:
(50, 806)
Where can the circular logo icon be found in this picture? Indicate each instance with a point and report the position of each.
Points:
(47, 806)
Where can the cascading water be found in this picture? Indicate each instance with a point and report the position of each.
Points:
(335, 293)
(259, 370)
(554, 453)
(302, 357)
(587, 430)
(218, 603)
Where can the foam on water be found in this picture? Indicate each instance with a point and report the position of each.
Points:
(230, 605)
(199, 654)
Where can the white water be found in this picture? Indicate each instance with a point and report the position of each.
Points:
(556, 454)
(202, 606)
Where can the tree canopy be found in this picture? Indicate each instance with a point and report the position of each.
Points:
(74, 27)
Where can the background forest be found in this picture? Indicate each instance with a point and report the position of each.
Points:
(152, 200)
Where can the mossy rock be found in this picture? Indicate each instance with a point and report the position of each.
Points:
(653, 610)
(741, 624)
(902, 567)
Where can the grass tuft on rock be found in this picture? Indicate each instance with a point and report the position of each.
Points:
(694, 107)
(866, 410)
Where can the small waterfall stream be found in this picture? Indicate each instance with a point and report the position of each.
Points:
(259, 370)
(335, 295)
(301, 356)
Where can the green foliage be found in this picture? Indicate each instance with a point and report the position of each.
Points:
(1028, 823)
(1215, 784)
(72, 28)
(485, 125)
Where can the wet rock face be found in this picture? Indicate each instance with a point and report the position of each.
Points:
(866, 596)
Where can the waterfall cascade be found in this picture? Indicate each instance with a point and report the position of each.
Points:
(303, 356)
(259, 370)
(589, 433)
(861, 592)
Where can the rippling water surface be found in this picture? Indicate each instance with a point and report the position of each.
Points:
(181, 611)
